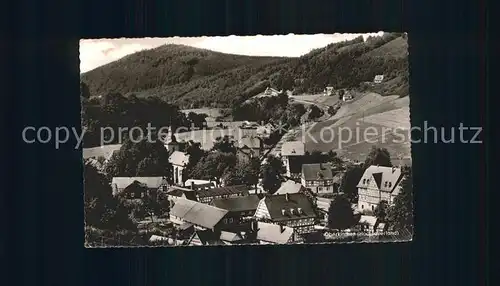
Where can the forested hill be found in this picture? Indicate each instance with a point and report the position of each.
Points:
(191, 77)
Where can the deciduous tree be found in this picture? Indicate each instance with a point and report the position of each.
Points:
(378, 156)
(272, 172)
(400, 215)
(340, 213)
(350, 181)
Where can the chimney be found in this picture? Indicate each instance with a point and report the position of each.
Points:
(192, 185)
(282, 228)
(393, 169)
(287, 197)
(299, 211)
(283, 211)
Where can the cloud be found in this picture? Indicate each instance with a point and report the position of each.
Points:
(94, 53)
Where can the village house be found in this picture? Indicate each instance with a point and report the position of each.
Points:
(292, 154)
(292, 187)
(328, 91)
(207, 194)
(207, 237)
(175, 193)
(239, 208)
(201, 216)
(204, 238)
(378, 79)
(323, 207)
(265, 131)
(347, 96)
(248, 125)
(249, 147)
(138, 187)
(378, 184)
(195, 184)
(371, 224)
(268, 233)
(292, 210)
(179, 161)
(271, 91)
(318, 177)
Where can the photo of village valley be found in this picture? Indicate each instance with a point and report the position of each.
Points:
(220, 141)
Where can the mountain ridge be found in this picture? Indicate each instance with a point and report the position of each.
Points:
(191, 77)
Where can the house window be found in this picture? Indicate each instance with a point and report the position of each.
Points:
(364, 181)
(373, 207)
(362, 206)
(390, 184)
(142, 195)
(320, 189)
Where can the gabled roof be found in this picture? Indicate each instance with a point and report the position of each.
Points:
(230, 236)
(204, 237)
(249, 142)
(323, 204)
(270, 89)
(289, 187)
(293, 148)
(178, 158)
(280, 207)
(149, 182)
(179, 192)
(229, 190)
(273, 233)
(238, 204)
(197, 213)
(197, 182)
(312, 172)
(386, 178)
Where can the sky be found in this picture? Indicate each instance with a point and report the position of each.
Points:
(98, 52)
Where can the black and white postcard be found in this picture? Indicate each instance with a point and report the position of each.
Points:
(255, 140)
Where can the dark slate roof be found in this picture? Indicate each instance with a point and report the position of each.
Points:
(287, 202)
(312, 172)
(295, 163)
(238, 204)
(149, 182)
(230, 190)
(178, 192)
